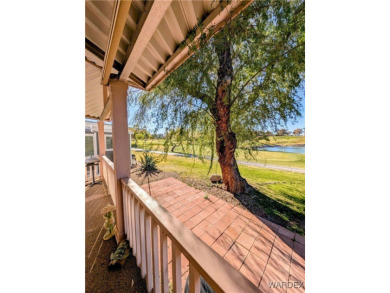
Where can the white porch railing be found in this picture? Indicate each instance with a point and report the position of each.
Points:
(109, 176)
(148, 225)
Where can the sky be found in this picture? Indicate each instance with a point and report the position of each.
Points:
(301, 120)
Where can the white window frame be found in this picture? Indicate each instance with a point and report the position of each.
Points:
(94, 142)
(105, 141)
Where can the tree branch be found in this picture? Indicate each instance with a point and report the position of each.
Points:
(260, 71)
(201, 108)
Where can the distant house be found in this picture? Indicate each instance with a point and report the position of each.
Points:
(92, 139)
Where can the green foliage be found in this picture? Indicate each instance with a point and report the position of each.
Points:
(268, 51)
(148, 167)
(139, 136)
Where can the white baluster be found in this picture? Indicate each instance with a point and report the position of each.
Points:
(149, 261)
(176, 269)
(142, 236)
(164, 261)
(156, 272)
(194, 280)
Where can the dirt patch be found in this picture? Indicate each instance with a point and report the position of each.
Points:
(140, 180)
(217, 190)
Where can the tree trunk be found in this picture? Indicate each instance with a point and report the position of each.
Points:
(150, 192)
(226, 141)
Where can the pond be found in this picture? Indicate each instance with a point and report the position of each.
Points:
(285, 149)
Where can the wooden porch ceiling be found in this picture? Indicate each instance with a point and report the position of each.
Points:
(141, 42)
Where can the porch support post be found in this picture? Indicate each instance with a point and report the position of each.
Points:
(101, 138)
(121, 147)
(102, 146)
(131, 158)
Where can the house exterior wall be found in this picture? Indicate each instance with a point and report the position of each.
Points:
(109, 153)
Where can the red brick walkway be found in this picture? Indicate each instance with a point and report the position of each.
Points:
(262, 251)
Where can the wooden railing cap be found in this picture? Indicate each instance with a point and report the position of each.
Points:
(108, 161)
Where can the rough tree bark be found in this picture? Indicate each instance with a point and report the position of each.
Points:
(226, 141)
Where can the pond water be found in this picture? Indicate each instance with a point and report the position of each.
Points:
(285, 149)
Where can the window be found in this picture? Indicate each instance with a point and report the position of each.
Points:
(108, 142)
(90, 145)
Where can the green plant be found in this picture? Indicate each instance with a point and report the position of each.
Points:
(148, 167)
(170, 287)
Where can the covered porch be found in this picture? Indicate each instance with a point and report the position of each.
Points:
(165, 246)
(176, 233)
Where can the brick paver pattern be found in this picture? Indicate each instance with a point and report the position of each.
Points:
(261, 250)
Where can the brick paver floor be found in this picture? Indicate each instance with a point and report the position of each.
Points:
(262, 251)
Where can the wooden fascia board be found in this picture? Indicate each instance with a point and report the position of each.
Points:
(91, 117)
(107, 109)
(99, 53)
(147, 25)
(121, 10)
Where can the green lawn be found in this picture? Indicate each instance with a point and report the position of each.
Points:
(280, 194)
(265, 157)
(274, 158)
(284, 140)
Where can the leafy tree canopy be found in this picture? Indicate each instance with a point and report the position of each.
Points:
(268, 54)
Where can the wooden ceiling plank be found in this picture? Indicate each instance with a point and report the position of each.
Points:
(146, 28)
(121, 10)
(147, 62)
(143, 67)
(98, 30)
(139, 5)
(174, 26)
(163, 43)
(189, 13)
(95, 10)
(131, 22)
(156, 54)
(137, 80)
